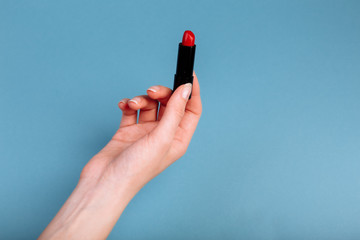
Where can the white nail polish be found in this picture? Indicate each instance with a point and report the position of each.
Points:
(154, 89)
(134, 101)
(186, 90)
(151, 90)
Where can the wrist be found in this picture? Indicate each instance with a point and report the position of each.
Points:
(121, 179)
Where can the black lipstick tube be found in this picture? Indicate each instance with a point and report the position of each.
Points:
(185, 66)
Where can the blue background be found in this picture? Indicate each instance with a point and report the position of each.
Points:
(277, 151)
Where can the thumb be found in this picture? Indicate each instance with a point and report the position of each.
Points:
(174, 112)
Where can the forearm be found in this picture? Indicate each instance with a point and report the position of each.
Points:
(91, 210)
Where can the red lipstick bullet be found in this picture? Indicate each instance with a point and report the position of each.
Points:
(185, 61)
(188, 39)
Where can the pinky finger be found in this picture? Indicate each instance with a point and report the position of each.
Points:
(129, 116)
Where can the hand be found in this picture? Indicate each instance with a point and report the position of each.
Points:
(137, 153)
(141, 150)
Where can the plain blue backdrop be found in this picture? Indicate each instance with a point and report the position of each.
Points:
(277, 151)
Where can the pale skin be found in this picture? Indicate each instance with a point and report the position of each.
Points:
(138, 152)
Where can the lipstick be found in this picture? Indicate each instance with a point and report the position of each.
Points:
(185, 60)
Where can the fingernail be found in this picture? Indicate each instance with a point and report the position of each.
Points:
(154, 89)
(123, 101)
(134, 100)
(186, 90)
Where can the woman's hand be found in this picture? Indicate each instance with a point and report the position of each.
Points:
(143, 148)
(140, 149)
